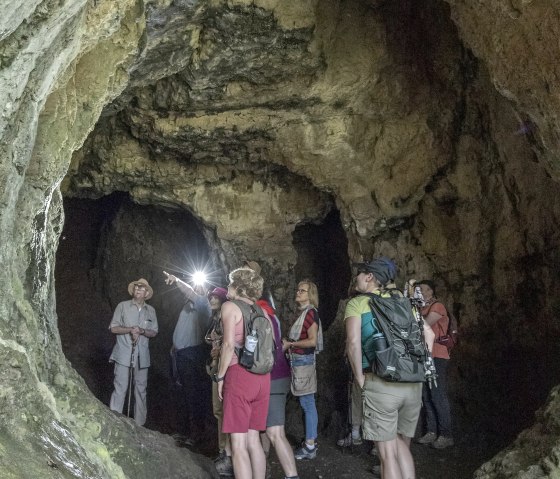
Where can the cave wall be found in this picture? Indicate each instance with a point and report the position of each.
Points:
(424, 159)
(516, 40)
(437, 145)
(61, 62)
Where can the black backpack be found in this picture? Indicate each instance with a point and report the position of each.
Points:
(261, 360)
(404, 358)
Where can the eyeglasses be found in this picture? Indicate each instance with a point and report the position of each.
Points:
(139, 287)
(301, 290)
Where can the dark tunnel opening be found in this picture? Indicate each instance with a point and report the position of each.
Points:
(101, 250)
(322, 257)
(109, 242)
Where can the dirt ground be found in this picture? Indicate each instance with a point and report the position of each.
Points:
(457, 462)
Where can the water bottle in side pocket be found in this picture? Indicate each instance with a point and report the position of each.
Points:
(248, 356)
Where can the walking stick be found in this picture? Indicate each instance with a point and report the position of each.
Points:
(130, 377)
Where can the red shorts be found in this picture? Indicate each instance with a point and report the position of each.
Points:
(246, 397)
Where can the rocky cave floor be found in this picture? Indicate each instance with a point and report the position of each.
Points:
(331, 462)
(458, 462)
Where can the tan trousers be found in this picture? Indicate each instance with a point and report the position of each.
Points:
(121, 386)
(218, 410)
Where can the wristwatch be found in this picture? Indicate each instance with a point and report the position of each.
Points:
(216, 378)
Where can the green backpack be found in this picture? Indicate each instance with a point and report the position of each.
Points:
(259, 327)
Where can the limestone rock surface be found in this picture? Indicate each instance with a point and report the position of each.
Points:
(430, 127)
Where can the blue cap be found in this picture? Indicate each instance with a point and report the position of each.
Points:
(383, 268)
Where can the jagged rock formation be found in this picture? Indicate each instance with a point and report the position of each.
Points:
(429, 126)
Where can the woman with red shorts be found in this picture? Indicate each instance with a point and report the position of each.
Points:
(245, 395)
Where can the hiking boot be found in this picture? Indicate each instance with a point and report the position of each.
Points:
(349, 441)
(376, 470)
(224, 465)
(427, 438)
(373, 451)
(304, 452)
(442, 442)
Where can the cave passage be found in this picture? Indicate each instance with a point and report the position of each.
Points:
(107, 243)
(322, 251)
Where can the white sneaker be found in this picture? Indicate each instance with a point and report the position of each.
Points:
(305, 452)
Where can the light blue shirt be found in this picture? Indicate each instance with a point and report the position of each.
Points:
(127, 315)
(193, 323)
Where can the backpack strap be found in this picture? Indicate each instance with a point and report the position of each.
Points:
(249, 312)
(379, 323)
(246, 315)
(246, 312)
(392, 291)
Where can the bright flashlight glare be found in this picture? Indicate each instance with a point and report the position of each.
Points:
(199, 278)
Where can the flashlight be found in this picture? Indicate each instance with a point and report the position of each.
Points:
(199, 278)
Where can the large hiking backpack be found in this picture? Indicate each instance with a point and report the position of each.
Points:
(261, 360)
(403, 359)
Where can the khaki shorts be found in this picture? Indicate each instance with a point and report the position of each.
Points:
(390, 408)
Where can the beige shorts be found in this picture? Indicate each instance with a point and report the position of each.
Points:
(390, 408)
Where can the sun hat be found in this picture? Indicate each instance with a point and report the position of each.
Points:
(141, 282)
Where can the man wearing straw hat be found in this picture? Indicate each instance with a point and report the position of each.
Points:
(134, 322)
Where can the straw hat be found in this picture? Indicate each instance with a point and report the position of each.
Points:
(142, 282)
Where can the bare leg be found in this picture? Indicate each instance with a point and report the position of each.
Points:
(388, 454)
(406, 462)
(240, 455)
(228, 445)
(284, 451)
(256, 455)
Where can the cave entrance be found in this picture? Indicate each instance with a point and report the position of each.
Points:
(106, 244)
(322, 256)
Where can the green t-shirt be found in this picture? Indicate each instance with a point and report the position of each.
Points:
(359, 307)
